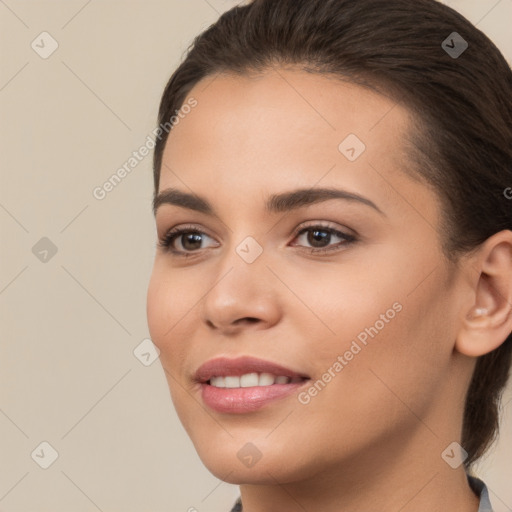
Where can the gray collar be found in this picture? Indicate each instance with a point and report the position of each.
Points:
(480, 489)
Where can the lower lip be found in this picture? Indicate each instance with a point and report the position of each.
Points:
(243, 400)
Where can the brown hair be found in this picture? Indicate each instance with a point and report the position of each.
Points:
(462, 143)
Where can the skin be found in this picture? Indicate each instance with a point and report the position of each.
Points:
(372, 439)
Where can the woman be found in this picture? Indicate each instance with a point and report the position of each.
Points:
(332, 289)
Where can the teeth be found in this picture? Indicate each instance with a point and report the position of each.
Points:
(232, 382)
(266, 379)
(218, 382)
(248, 380)
(251, 379)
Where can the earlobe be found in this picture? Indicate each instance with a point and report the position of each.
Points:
(477, 312)
(488, 322)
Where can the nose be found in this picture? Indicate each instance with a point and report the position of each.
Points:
(243, 297)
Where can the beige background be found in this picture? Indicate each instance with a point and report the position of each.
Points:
(70, 325)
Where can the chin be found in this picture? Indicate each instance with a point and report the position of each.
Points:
(242, 462)
(262, 473)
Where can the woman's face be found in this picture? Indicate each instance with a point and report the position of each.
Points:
(371, 321)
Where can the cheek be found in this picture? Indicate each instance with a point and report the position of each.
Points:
(403, 363)
(395, 340)
(345, 303)
(172, 317)
(382, 388)
(157, 310)
(167, 305)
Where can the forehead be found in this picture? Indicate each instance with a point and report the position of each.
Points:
(282, 128)
(283, 107)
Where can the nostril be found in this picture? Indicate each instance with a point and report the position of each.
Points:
(248, 319)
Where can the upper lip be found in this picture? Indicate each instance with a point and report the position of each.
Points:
(238, 366)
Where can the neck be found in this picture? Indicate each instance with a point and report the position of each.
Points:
(405, 476)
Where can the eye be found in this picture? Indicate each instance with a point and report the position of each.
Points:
(188, 237)
(320, 237)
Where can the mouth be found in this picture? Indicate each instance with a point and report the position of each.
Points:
(254, 379)
(245, 384)
(245, 371)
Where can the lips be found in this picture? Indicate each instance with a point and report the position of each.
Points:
(245, 384)
(223, 366)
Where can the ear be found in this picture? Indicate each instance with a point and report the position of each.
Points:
(487, 320)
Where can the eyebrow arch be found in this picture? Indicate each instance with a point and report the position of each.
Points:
(276, 203)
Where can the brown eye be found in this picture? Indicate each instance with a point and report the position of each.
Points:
(320, 238)
(190, 241)
(183, 241)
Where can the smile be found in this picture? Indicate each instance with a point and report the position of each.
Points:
(245, 384)
(251, 380)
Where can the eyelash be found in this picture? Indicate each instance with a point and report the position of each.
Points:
(166, 243)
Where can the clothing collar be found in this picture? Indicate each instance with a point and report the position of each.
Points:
(480, 489)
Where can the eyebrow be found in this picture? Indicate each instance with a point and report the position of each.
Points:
(276, 203)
